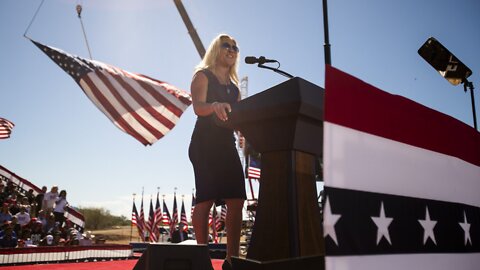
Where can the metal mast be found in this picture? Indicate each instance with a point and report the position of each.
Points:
(191, 30)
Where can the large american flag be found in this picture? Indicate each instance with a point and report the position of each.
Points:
(141, 106)
(5, 128)
(402, 182)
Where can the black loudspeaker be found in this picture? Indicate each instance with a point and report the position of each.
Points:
(174, 257)
(301, 263)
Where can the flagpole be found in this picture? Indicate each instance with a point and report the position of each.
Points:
(131, 227)
(161, 210)
(142, 214)
(163, 203)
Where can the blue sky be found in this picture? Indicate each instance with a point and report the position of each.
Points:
(61, 138)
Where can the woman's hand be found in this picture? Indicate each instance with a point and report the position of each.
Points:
(221, 109)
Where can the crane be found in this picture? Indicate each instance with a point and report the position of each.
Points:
(191, 30)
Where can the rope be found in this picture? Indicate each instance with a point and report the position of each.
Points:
(79, 12)
(33, 18)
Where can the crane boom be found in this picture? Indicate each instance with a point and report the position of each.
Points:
(191, 30)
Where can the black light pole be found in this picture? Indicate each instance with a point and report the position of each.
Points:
(467, 84)
(328, 58)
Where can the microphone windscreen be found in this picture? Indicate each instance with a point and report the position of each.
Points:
(251, 60)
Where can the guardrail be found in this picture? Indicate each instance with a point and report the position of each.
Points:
(30, 255)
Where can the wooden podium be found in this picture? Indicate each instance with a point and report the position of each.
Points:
(285, 124)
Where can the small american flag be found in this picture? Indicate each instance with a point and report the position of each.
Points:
(214, 224)
(221, 220)
(166, 220)
(253, 168)
(143, 107)
(5, 128)
(141, 222)
(158, 217)
(151, 226)
(183, 219)
(223, 214)
(173, 224)
(193, 207)
(134, 215)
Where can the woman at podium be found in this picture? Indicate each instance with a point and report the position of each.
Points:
(218, 171)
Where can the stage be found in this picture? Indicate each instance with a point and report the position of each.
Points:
(106, 265)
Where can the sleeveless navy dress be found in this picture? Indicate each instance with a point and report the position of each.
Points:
(216, 164)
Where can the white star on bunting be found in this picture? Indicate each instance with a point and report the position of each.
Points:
(428, 226)
(329, 221)
(382, 223)
(466, 228)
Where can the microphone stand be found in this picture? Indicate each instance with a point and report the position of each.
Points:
(276, 70)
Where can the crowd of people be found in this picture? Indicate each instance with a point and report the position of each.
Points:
(29, 220)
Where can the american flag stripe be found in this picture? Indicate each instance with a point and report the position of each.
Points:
(437, 170)
(254, 172)
(143, 107)
(6, 127)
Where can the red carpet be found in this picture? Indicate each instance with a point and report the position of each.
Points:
(110, 265)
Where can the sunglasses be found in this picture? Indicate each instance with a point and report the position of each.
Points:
(229, 47)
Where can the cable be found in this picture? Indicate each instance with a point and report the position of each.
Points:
(33, 18)
(79, 12)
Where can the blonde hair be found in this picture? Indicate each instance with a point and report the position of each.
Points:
(209, 60)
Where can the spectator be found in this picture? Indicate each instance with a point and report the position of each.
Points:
(73, 237)
(50, 225)
(23, 217)
(5, 214)
(30, 197)
(8, 238)
(15, 226)
(10, 189)
(60, 207)
(47, 240)
(37, 232)
(12, 202)
(24, 203)
(39, 199)
(50, 198)
(3, 194)
(26, 238)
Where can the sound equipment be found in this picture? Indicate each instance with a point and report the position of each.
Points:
(174, 257)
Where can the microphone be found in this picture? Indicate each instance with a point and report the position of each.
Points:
(260, 60)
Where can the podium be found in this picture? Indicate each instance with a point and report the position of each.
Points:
(285, 124)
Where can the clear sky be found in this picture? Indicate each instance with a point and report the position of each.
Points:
(61, 138)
